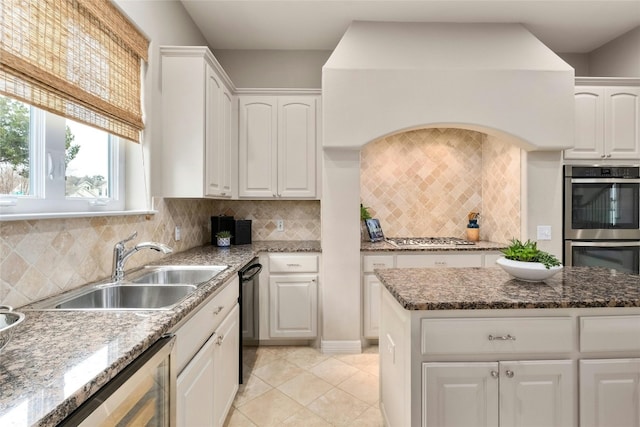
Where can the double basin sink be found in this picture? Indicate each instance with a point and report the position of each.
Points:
(157, 288)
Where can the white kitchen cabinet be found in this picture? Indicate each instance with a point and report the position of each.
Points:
(609, 392)
(513, 393)
(226, 365)
(278, 146)
(293, 296)
(607, 123)
(207, 360)
(194, 389)
(197, 154)
(371, 288)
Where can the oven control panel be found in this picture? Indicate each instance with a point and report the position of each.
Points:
(625, 172)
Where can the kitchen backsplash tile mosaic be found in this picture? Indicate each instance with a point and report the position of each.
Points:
(500, 190)
(425, 182)
(39, 258)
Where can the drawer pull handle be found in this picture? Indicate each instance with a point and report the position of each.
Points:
(507, 337)
(293, 265)
(509, 373)
(494, 374)
(220, 340)
(379, 264)
(218, 310)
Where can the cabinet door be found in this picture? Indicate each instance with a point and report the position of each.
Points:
(227, 347)
(622, 123)
(537, 393)
(257, 145)
(460, 394)
(194, 389)
(610, 392)
(296, 146)
(371, 306)
(214, 144)
(589, 124)
(226, 163)
(293, 306)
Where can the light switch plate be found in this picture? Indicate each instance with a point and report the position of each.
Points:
(544, 232)
(280, 225)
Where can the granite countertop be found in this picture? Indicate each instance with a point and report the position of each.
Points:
(385, 246)
(493, 288)
(58, 359)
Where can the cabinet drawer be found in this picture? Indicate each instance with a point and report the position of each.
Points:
(497, 335)
(371, 262)
(197, 330)
(293, 263)
(439, 260)
(610, 333)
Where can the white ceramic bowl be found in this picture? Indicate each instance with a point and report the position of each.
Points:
(528, 271)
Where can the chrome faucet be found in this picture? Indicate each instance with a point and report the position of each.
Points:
(120, 255)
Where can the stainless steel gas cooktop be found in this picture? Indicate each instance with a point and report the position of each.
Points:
(428, 242)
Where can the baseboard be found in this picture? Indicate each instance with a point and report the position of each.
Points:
(339, 347)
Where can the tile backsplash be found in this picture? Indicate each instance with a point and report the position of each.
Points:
(40, 258)
(425, 182)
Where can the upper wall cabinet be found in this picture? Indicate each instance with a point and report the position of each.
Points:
(278, 146)
(197, 125)
(607, 123)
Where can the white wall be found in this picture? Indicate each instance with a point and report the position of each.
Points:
(164, 23)
(579, 62)
(300, 69)
(541, 195)
(618, 58)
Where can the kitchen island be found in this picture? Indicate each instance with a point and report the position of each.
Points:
(58, 359)
(473, 346)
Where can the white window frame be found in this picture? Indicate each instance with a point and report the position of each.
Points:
(47, 173)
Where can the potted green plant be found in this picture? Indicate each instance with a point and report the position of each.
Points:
(223, 238)
(526, 262)
(364, 215)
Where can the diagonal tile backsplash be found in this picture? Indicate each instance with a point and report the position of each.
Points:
(40, 258)
(425, 182)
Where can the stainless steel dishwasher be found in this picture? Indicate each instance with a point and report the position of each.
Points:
(142, 394)
(249, 305)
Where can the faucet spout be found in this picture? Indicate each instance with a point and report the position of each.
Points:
(120, 255)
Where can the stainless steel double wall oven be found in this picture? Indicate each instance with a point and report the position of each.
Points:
(602, 217)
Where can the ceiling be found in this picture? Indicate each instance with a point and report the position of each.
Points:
(565, 26)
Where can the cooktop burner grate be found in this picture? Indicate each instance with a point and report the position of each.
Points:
(429, 241)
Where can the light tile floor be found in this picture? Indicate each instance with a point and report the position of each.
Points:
(299, 386)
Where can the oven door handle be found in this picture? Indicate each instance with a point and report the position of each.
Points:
(605, 181)
(603, 244)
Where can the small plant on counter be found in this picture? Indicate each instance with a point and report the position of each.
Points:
(223, 234)
(364, 212)
(223, 238)
(529, 252)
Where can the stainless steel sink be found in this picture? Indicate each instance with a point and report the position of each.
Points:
(168, 274)
(120, 296)
(9, 320)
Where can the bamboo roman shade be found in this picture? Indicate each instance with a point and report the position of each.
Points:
(77, 58)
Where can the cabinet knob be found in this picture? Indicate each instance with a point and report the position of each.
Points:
(218, 310)
(509, 373)
(507, 337)
(220, 339)
(494, 374)
(608, 155)
(602, 156)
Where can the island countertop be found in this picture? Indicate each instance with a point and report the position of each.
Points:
(493, 288)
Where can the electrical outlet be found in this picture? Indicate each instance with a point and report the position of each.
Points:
(544, 232)
(178, 233)
(280, 224)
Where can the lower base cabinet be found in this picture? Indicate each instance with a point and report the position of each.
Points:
(513, 393)
(206, 387)
(609, 392)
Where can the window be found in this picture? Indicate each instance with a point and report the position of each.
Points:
(52, 164)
